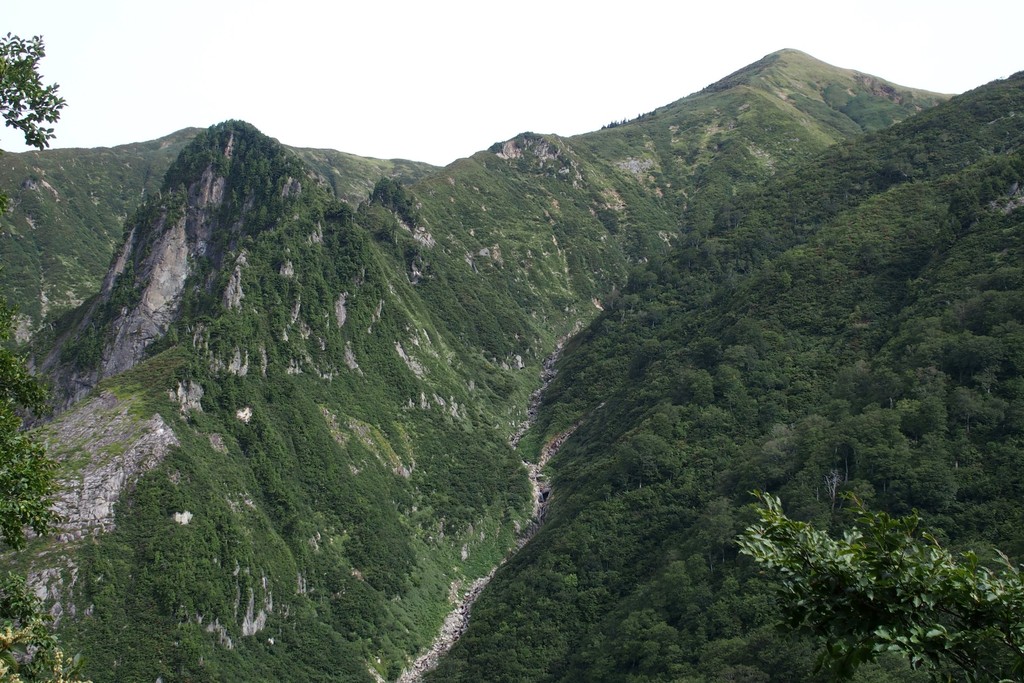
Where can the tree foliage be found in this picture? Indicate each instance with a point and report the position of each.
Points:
(838, 329)
(888, 586)
(26, 474)
(28, 650)
(25, 102)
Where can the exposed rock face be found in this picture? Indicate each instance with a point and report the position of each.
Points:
(222, 634)
(350, 358)
(540, 153)
(233, 294)
(340, 312)
(239, 366)
(183, 518)
(189, 396)
(117, 448)
(168, 268)
(508, 151)
(157, 259)
(254, 621)
(163, 273)
(413, 364)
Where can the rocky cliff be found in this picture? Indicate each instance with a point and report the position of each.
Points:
(201, 213)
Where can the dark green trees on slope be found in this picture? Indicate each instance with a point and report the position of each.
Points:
(341, 456)
(68, 208)
(853, 325)
(341, 381)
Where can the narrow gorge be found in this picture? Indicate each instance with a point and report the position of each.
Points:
(457, 621)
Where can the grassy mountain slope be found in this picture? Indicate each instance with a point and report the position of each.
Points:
(341, 379)
(698, 152)
(851, 326)
(69, 207)
(843, 100)
(557, 222)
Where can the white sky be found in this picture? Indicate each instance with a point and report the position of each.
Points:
(435, 80)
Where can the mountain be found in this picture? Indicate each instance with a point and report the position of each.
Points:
(299, 434)
(69, 207)
(850, 326)
(291, 423)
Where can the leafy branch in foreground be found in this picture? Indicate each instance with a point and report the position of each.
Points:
(28, 650)
(25, 102)
(888, 586)
(27, 474)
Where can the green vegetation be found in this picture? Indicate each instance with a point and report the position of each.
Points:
(26, 474)
(851, 325)
(886, 586)
(69, 206)
(343, 377)
(371, 469)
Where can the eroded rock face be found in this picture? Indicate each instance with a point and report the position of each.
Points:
(116, 448)
(233, 294)
(163, 272)
(189, 396)
(105, 449)
(253, 623)
(155, 261)
(340, 313)
(168, 268)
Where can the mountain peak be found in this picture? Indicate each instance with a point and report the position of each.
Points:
(812, 85)
(229, 183)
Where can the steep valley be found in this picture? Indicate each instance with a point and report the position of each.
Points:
(300, 406)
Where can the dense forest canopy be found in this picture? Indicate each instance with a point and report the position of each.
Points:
(851, 326)
(310, 378)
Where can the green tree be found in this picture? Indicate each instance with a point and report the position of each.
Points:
(26, 473)
(26, 103)
(888, 586)
(28, 651)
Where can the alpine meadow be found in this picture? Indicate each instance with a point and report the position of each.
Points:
(730, 391)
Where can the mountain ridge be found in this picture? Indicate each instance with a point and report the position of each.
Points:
(812, 334)
(343, 379)
(70, 204)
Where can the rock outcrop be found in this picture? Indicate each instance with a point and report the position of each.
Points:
(106, 449)
(176, 244)
(116, 448)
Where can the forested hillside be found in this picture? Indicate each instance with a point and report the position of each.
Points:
(313, 457)
(69, 206)
(852, 326)
(289, 411)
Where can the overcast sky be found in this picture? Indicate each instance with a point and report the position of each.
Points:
(438, 80)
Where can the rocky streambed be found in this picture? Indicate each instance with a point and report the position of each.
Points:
(457, 621)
